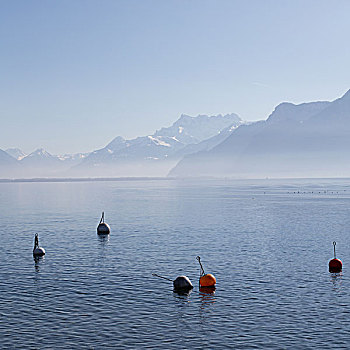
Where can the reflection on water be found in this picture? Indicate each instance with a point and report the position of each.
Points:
(206, 296)
(182, 294)
(336, 279)
(103, 239)
(103, 243)
(37, 261)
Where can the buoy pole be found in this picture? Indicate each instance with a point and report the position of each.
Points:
(37, 250)
(103, 217)
(334, 244)
(168, 279)
(202, 270)
(36, 241)
(205, 280)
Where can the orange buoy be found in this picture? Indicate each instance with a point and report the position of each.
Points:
(335, 265)
(205, 279)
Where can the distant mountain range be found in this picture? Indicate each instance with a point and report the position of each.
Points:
(151, 155)
(155, 155)
(305, 140)
(15, 163)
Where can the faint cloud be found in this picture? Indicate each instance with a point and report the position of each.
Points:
(256, 83)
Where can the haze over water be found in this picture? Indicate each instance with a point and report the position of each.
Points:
(268, 243)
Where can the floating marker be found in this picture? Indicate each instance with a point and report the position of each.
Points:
(37, 251)
(335, 265)
(206, 279)
(181, 283)
(103, 228)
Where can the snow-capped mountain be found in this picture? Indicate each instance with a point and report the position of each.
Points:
(207, 144)
(72, 159)
(151, 155)
(41, 163)
(40, 157)
(310, 139)
(148, 154)
(192, 130)
(15, 153)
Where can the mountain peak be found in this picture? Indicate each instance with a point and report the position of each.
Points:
(116, 143)
(6, 158)
(15, 153)
(40, 152)
(191, 130)
(184, 118)
(296, 112)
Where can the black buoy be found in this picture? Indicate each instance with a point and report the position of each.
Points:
(181, 283)
(103, 228)
(335, 265)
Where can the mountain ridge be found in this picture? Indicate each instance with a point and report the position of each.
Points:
(309, 139)
(155, 154)
(152, 155)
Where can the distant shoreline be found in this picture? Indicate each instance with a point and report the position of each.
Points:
(131, 178)
(85, 179)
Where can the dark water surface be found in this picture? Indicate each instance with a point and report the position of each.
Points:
(267, 245)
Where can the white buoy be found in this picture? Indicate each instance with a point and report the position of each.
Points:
(103, 228)
(38, 251)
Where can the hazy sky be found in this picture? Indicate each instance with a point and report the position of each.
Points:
(74, 74)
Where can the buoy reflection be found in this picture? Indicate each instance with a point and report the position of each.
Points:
(207, 296)
(182, 295)
(103, 246)
(37, 261)
(104, 239)
(336, 279)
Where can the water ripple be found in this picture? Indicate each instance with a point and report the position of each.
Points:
(269, 256)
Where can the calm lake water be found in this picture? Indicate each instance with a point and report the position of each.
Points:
(267, 242)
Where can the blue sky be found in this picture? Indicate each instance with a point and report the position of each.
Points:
(74, 74)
